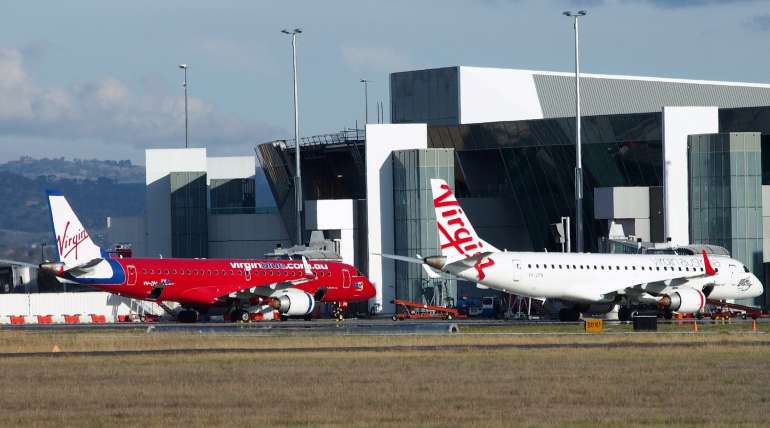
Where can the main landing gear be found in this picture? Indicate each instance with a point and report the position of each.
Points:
(237, 315)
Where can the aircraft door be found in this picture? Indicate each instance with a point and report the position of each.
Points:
(247, 274)
(131, 275)
(516, 270)
(345, 278)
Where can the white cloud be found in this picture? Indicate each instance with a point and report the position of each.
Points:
(95, 115)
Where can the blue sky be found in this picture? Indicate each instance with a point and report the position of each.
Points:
(100, 79)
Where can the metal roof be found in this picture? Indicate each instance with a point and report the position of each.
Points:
(602, 95)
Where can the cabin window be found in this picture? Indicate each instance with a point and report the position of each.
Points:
(687, 269)
(231, 273)
(166, 271)
(144, 270)
(617, 267)
(626, 267)
(567, 266)
(559, 266)
(271, 273)
(633, 267)
(602, 267)
(537, 266)
(529, 266)
(553, 266)
(239, 272)
(581, 266)
(680, 268)
(658, 268)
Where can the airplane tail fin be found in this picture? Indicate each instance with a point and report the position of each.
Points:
(74, 246)
(457, 237)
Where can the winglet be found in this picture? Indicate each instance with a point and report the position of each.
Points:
(707, 264)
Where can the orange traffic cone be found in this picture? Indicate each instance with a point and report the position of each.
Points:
(754, 325)
(695, 325)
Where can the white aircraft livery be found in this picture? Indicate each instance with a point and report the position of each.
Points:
(583, 282)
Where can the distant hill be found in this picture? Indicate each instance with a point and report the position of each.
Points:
(122, 171)
(24, 208)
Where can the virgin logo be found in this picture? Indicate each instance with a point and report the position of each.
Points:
(68, 244)
(458, 236)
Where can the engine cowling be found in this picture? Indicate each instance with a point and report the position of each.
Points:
(294, 304)
(684, 300)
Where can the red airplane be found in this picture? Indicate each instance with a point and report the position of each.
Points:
(242, 286)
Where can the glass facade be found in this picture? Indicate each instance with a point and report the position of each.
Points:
(425, 96)
(330, 170)
(232, 196)
(532, 164)
(189, 222)
(415, 223)
(726, 194)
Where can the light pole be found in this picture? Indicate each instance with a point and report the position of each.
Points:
(578, 148)
(186, 128)
(366, 101)
(297, 176)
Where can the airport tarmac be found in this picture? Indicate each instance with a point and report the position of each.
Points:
(376, 326)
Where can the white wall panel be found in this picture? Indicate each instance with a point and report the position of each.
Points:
(496, 94)
(158, 164)
(329, 214)
(230, 167)
(381, 140)
(678, 123)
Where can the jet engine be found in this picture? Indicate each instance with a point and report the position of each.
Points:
(684, 300)
(292, 304)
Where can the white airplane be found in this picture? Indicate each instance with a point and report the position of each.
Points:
(583, 282)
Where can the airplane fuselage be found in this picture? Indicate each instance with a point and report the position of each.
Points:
(584, 277)
(203, 282)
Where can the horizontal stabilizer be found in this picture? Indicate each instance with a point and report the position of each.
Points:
(401, 258)
(84, 268)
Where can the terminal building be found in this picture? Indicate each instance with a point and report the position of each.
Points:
(672, 160)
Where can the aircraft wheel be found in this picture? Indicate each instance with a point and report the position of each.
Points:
(284, 317)
(449, 316)
(239, 315)
(668, 314)
(309, 317)
(394, 317)
(624, 313)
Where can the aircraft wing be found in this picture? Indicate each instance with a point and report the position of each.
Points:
(674, 278)
(248, 292)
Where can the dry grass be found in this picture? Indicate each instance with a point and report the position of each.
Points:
(713, 384)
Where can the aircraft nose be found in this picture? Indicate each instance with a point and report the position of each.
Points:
(756, 287)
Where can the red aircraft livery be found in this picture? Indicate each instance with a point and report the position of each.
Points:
(458, 240)
(242, 286)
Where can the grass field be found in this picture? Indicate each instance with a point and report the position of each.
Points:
(720, 379)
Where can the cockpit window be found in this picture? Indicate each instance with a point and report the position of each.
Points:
(745, 269)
